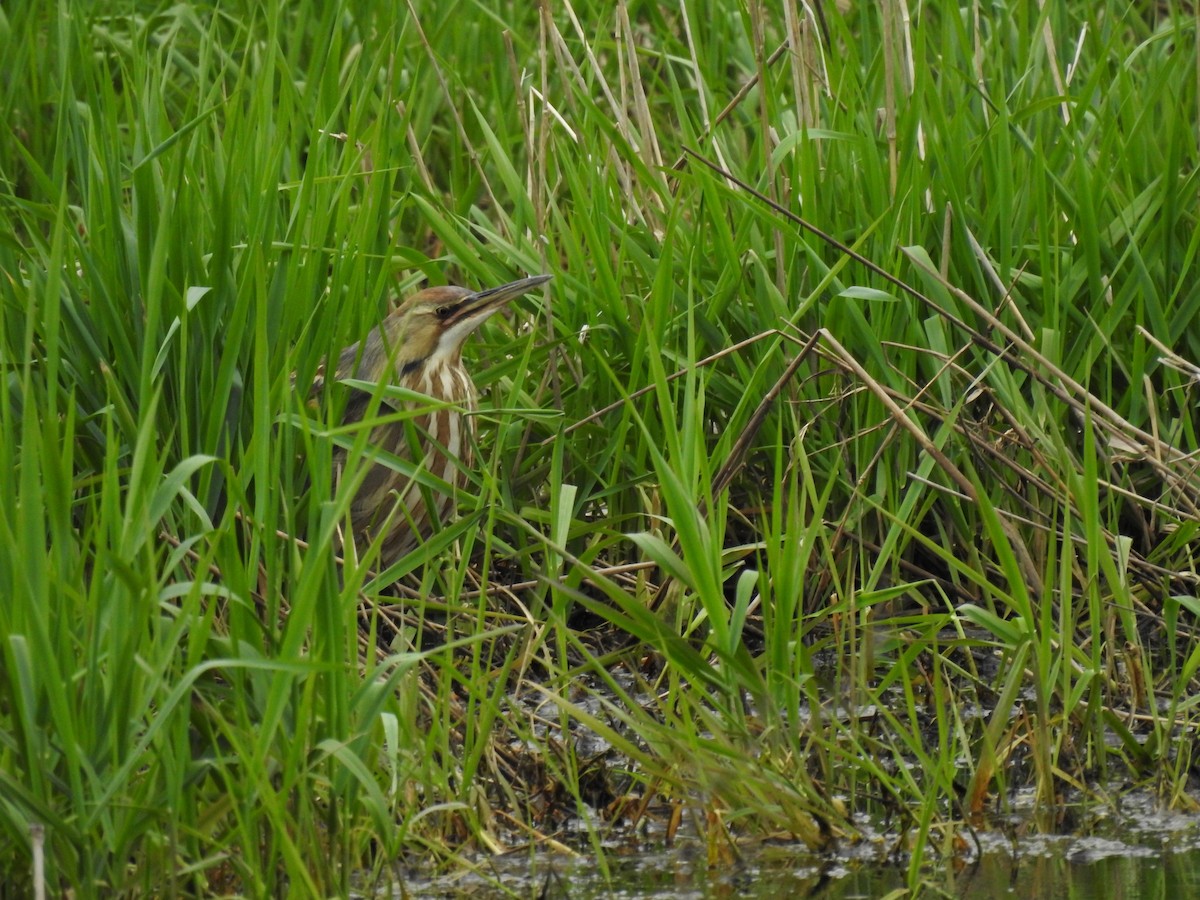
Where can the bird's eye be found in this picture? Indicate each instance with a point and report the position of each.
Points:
(443, 312)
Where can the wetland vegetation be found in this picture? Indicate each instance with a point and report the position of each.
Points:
(841, 490)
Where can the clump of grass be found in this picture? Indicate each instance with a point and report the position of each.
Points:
(847, 479)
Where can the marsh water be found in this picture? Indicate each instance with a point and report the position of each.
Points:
(1112, 843)
(1136, 850)
(1048, 869)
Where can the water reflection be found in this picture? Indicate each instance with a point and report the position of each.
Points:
(1048, 868)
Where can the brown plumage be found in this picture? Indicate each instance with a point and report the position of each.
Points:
(418, 347)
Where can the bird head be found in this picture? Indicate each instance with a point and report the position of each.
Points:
(429, 327)
(433, 324)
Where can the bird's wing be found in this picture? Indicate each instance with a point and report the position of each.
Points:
(367, 360)
(348, 366)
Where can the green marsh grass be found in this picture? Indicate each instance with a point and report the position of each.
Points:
(879, 530)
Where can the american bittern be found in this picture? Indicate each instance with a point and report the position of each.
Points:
(419, 347)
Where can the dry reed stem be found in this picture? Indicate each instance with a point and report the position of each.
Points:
(1020, 354)
(460, 128)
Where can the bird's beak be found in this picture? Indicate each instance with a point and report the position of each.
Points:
(479, 305)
